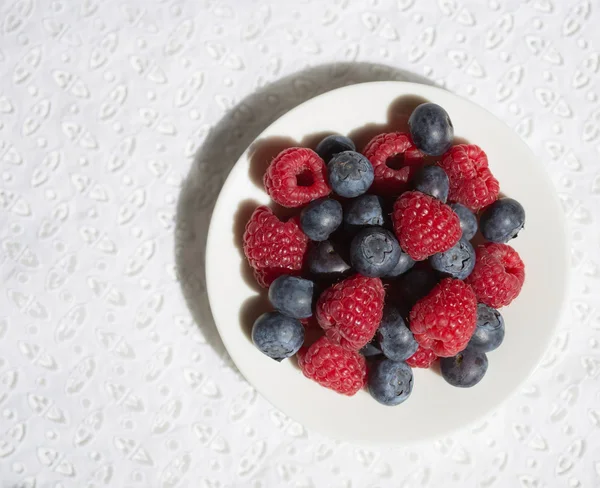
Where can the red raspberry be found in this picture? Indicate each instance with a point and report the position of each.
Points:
(272, 247)
(424, 225)
(471, 181)
(498, 275)
(380, 149)
(296, 176)
(350, 311)
(334, 367)
(423, 358)
(445, 320)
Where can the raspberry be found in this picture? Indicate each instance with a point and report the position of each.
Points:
(351, 310)
(471, 181)
(296, 176)
(445, 320)
(498, 275)
(423, 358)
(334, 367)
(424, 226)
(380, 149)
(272, 247)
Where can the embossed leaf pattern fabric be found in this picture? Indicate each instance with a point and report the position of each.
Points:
(119, 122)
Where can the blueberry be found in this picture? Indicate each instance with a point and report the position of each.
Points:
(489, 333)
(458, 261)
(394, 338)
(324, 260)
(350, 174)
(320, 218)
(415, 284)
(277, 335)
(370, 350)
(374, 252)
(468, 221)
(332, 145)
(390, 382)
(431, 129)
(502, 220)
(364, 210)
(465, 369)
(405, 262)
(432, 180)
(292, 296)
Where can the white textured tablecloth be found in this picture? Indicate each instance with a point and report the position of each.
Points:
(118, 124)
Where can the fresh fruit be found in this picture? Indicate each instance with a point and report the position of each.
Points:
(272, 247)
(489, 332)
(502, 220)
(415, 284)
(292, 296)
(393, 337)
(277, 335)
(471, 181)
(466, 369)
(405, 262)
(468, 220)
(458, 261)
(374, 252)
(333, 367)
(350, 174)
(332, 145)
(320, 218)
(498, 275)
(370, 350)
(363, 211)
(350, 311)
(444, 320)
(390, 382)
(324, 261)
(295, 177)
(424, 226)
(431, 129)
(433, 181)
(394, 158)
(422, 358)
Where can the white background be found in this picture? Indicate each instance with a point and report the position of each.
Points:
(105, 107)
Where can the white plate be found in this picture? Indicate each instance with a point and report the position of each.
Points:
(434, 408)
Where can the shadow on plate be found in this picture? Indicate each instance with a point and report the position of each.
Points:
(223, 146)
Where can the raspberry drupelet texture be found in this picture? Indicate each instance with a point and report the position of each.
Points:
(390, 181)
(334, 367)
(351, 310)
(471, 181)
(272, 247)
(424, 225)
(498, 276)
(422, 358)
(296, 177)
(445, 320)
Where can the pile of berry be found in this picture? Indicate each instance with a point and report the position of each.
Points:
(377, 267)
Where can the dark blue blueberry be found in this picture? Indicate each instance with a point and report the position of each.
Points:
(431, 129)
(465, 369)
(374, 252)
(502, 220)
(390, 382)
(363, 211)
(393, 337)
(468, 221)
(458, 261)
(415, 284)
(325, 261)
(432, 180)
(332, 145)
(292, 296)
(370, 350)
(320, 218)
(350, 174)
(489, 333)
(405, 262)
(277, 335)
